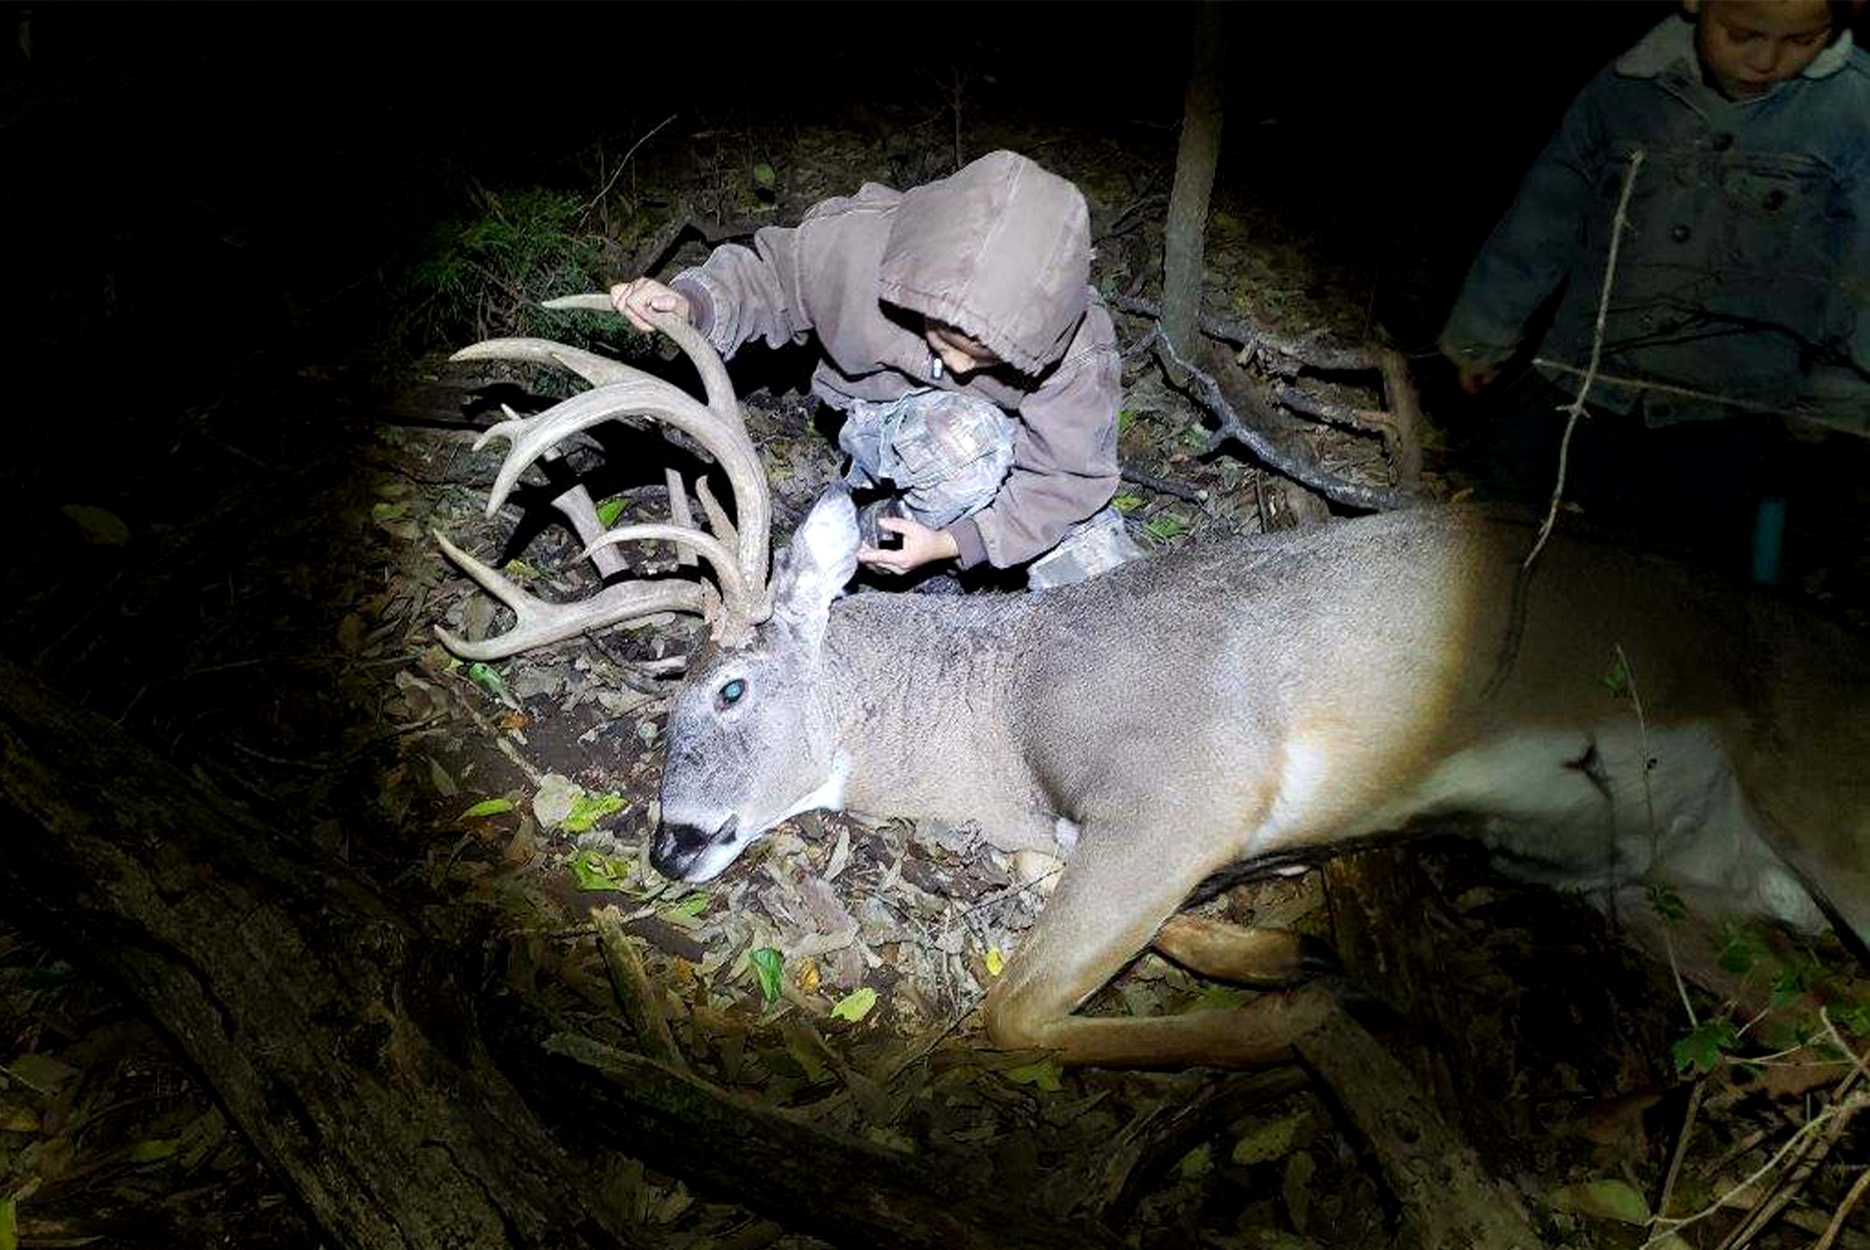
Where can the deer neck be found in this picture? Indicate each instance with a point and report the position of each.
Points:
(919, 689)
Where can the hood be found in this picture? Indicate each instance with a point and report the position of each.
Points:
(1001, 250)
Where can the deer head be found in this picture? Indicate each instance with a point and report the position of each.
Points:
(751, 740)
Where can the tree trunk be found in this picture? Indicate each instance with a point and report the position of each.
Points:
(1185, 233)
(336, 1037)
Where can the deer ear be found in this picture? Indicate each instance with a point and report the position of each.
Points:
(817, 562)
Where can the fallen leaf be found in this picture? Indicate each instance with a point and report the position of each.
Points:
(101, 527)
(768, 966)
(1041, 1076)
(1606, 1199)
(855, 1005)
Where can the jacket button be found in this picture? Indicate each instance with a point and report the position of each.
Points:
(1722, 142)
(1680, 233)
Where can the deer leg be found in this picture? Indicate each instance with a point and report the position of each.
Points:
(1110, 902)
(1245, 956)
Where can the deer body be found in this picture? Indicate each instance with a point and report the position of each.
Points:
(1280, 692)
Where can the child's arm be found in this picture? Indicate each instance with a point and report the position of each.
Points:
(1064, 456)
(1531, 252)
(741, 293)
(1838, 391)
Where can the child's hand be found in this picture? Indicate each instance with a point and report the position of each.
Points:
(920, 545)
(637, 299)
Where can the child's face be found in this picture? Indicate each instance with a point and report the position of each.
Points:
(1748, 47)
(960, 354)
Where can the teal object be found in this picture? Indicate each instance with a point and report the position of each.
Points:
(1769, 540)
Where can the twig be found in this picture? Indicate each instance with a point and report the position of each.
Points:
(1164, 486)
(1837, 1039)
(1686, 392)
(1681, 1139)
(598, 198)
(1327, 484)
(1836, 1227)
(640, 998)
(1803, 1167)
(1310, 349)
(1665, 1226)
(1576, 406)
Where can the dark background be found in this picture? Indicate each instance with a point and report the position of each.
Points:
(197, 199)
(188, 186)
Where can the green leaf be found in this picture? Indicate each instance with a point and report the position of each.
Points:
(588, 809)
(1854, 1019)
(1616, 678)
(1741, 948)
(689, 906)
(488, 807)
(1164, 528)
(9, 1224)
(1667, 903)
(1196, 1164)
(385, 511)
(1609, 1199)
(1800, 974)
(1041, 1076)
(1125, 420)
(1267, 1142)
(855, 1005)
(811, 1062)
(101, 526)
(487, 678)
(47, 976)
(1220, 998)
(1127, 502)
(1702, 1048)
(598, 872)
(154, 1150)
(764, 177)
(769, 966)
(610, 510)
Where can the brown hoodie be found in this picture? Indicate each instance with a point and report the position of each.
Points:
(1001, 251)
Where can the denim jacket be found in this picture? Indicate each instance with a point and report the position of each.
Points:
(1744, 269)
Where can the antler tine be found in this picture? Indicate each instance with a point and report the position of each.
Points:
(593, 368)
(706, 360)
(750, 490)
(659, 401)
(539, 622)
(736, 604)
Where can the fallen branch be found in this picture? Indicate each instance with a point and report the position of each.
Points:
(1311, 350)
(1209, 394)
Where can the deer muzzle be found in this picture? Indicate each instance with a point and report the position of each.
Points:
(692, 853)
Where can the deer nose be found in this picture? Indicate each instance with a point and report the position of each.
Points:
(679, 845)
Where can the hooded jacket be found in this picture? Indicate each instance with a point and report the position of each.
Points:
(1001, 251)
(1744, 270)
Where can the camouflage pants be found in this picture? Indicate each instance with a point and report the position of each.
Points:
(946, 454)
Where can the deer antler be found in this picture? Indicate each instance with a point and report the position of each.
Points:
(620, 391)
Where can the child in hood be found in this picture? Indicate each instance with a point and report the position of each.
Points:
(1740, 282)
(959, 334)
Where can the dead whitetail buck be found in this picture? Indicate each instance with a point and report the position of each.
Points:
(1250, 697)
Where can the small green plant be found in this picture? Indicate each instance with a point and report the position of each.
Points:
(484, 273)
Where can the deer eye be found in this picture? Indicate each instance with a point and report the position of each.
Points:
(731, 692)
